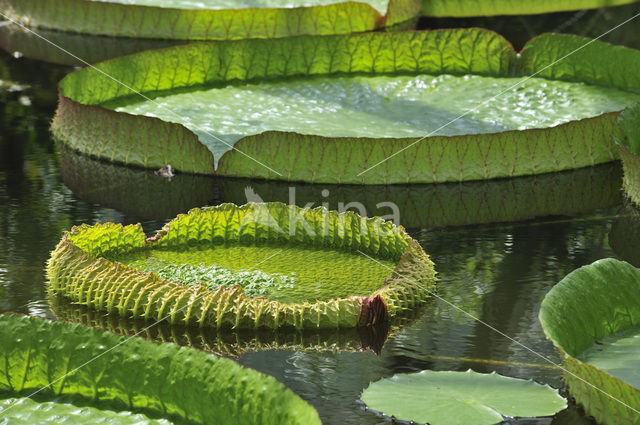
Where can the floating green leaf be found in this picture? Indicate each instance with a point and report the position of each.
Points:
(628, 140)
(452, 398)
(189, 20)
(25, 411)
(394, 272)
(235, 343)
(132, 374)
(588, 305)
(268, 146)
(461, 8)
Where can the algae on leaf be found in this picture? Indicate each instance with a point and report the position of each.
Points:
(132, 374)
(452, 398)
(375, 94)
(396, 275)
(593, 305)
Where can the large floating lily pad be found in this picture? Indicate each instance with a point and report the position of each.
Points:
(585, 315)
(452, 398)
(130, 380)
(628, 139)
(462, 8)
(210, 20)
(259, 265)
(314, 125)
(235, 343)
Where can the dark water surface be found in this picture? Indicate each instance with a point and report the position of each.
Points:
(497, 273)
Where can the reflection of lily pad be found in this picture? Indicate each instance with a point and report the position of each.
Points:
(131, 374)
(210, 20)
(460, 8)
(364, 118)
(452, 398)
(140, 193)
(595, 306)
(624, 237)
(90, 48)
(133, 191)
(323, 269)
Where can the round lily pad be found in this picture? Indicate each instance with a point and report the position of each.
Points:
(453, 398)
(592, 317)
(359, 108)
(257, 265)
(84, 375)
(210, 19)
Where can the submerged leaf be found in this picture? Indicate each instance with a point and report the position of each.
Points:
(453, 398)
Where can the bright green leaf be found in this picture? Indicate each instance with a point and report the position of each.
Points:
(455, 398)
(460, 8)
(590, 304)
(133, 374)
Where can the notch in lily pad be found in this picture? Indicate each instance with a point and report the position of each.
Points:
(453, 398)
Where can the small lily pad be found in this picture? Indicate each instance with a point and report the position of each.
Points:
(453, 398)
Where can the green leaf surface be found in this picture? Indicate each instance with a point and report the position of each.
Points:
(25, 411)
(122, 373)
(234, 343)
(334, 158)
(152, 19)
(381, 107)
(286, 274)
(462, 8)
(452, 398)
(618, 355)
(629, 124)
(589, 304)
(81, 267)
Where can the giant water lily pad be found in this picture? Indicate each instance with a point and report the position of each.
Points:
(130, 380)
(461, 8)
(278, 108)
(628, 140)
(452, 398)
(236, 343)
(259, 265)
(209, 19)
(590, 312)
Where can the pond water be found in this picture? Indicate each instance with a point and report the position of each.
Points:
(496, 272)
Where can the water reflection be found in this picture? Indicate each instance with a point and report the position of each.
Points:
(624, 237)
(497, 272)
(140, 192)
